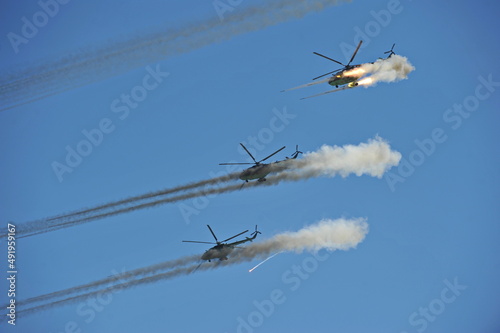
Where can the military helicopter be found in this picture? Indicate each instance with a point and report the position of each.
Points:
(260, 170)
(348, 77)
(221, 250)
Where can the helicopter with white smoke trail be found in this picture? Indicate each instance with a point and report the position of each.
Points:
(373, 158)
(390, 69)
(327, 234)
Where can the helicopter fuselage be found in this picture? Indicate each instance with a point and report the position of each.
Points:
(218, 252)
(342, 78)
(222, 250)
(259, 171)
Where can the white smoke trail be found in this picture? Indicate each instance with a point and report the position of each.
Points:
(372, 158)
(339, 234)
(392, 69)
(332, 235)
(82, 68)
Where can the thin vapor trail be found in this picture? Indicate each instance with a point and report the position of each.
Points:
(332, 235)
(309, 84)
(260, 263)
(372, 158)
(83, 68)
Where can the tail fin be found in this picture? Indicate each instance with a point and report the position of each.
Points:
(297, 152)
(391, 52)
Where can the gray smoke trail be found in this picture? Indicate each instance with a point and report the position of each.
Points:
(41, 227)
(211, 181)
(123, 277)
(89, 214)
(392, 69)
(86, 67)
(372, 158)
(332, 235)
(114, 288)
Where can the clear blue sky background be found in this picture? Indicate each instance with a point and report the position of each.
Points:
(440, 224)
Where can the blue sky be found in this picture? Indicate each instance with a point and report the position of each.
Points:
(436, 225)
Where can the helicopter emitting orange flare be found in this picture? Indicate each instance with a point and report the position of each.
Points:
(355, 72)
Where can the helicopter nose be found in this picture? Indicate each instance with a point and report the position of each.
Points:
(243, 175)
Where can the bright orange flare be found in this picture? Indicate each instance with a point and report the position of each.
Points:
(355, 72)
(366, 81)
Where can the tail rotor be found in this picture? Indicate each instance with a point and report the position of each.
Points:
(297, 152)
(390, 52)
(256, 232)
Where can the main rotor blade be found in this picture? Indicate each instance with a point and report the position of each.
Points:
(234, 163)
(248, 152)
(324, 56)
(241, 233)
(335, 71)
(277, 151)
(354, 54)
(213, 234)
(198, 242)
